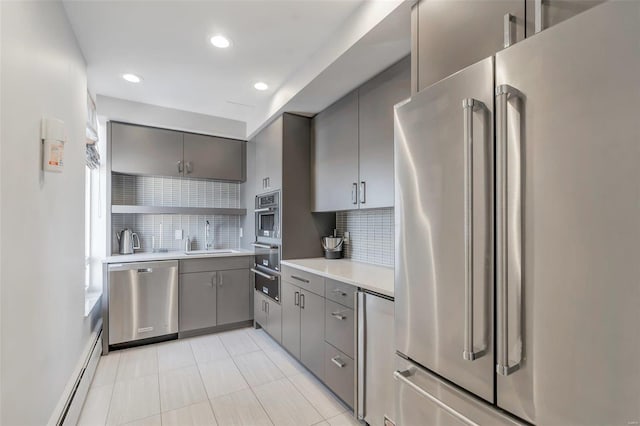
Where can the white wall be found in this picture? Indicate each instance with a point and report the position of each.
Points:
(44, 332)
(169, 118)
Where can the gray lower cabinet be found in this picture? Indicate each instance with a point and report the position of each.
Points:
(303, 326)
(340, 327)
(140, 150)
(311, 332)
(339, 373)
(234, 296)
(197, 301)
(211, 157)
(290, 299)
(268, 314)
(334, 156)
(214, 292)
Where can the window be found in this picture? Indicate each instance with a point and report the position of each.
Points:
(94, 226)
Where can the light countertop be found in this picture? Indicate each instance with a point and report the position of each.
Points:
(375, 278)
(172, 255)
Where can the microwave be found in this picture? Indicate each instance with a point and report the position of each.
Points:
(268, 216)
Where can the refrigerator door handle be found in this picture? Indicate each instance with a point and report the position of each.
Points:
(404, 376)
(469, 105)
(503, 93)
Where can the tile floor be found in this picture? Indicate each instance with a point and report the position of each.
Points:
(239, 377)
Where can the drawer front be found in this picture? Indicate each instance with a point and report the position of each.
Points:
(338, 373)
(304, 280)
(339, 326)
(340, 292)
(215, 264)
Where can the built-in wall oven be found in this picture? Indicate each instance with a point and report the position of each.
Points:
(268, 217)
(267, 270)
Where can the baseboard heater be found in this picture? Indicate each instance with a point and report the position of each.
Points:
(70, 411)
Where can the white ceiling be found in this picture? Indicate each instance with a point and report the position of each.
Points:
(167, 43)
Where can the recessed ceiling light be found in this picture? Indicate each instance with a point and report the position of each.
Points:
(132, 78)
(261, 85)
(220, 41)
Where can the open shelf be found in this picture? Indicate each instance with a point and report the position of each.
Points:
(200, 211)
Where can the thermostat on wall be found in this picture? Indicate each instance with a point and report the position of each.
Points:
(53, 135)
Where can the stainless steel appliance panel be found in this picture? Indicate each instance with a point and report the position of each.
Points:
(375, 359)
(422, 398)
(443, 218)
(143, 300)
(267, 282)
(569, 219)
(268, 221)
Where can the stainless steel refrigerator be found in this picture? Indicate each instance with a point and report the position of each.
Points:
(518, 233)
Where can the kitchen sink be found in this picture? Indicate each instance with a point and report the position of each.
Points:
(216, 251)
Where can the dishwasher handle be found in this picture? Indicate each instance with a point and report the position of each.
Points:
(143, 267)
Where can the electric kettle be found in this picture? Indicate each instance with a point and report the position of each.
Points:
(126, 238)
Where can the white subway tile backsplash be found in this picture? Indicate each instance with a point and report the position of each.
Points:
(371, 235)
(175, 192)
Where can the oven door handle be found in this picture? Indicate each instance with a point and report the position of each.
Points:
(262, 274)
(264, 246)
(265, 210)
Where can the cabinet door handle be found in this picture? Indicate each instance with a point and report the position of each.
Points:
(213, 280)
(302, 301)
(189, 167)
(268, 182)
(354, 193)
(300, 279)
(220, 280)
(266, 304)
(179, 166)
(508, 21)
(338, 315)
(537, 8)
(339, 292)
(363, 192)
(296, 299)
(337, 361)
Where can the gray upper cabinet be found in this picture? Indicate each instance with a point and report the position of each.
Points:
(269, 157)
(352, 155)
(148, 151)
(234, 296)
(211, 157)
(197, 296)
(377, 98)
(139, 150)
(334, 156)
(544, 14)
(453, 34)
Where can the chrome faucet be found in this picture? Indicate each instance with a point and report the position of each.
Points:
(207, 240)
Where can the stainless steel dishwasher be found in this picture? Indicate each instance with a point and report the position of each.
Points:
(143, 300)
